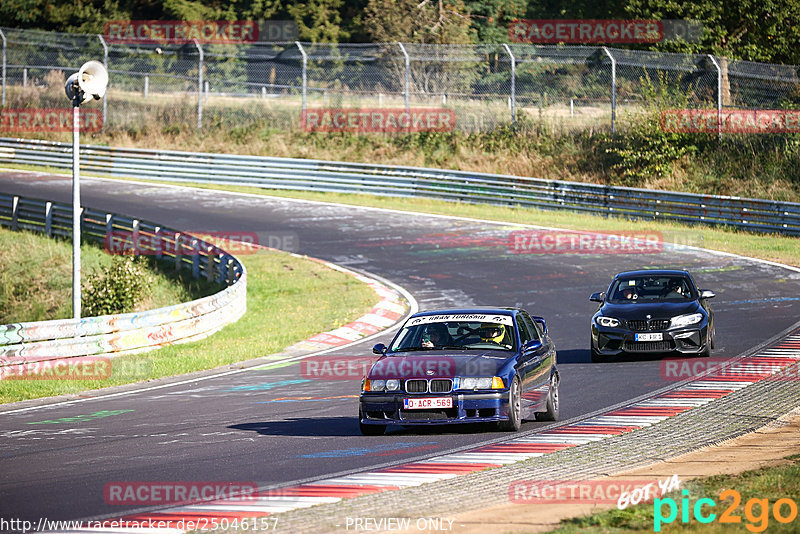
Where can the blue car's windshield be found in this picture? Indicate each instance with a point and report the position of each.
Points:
(652, 289)
(461, 335)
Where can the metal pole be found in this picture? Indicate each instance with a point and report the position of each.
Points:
(3, 36)
(613, 90)
(199, 85)
(105, 64)
(719, 95)
(76, 207)
(408, 75)
(513, 84)
(305, 74)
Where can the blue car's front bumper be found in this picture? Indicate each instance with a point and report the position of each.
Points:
(383, 409)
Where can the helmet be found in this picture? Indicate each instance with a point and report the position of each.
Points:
(492, 332)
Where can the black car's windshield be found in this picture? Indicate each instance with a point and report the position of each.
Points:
(436, 333)
(651, 289)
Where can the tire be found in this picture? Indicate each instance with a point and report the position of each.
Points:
(370, 430)
(514, 422)
(552, 402)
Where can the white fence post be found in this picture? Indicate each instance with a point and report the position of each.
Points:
(199, 85)
(719, 95)
(105, 64)
(48, 219)
(613, 90)
(513, 83)
(408, 76)
(3, 36)
(305, 72)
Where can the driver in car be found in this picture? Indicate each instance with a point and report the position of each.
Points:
(493, 333)
(437, 336)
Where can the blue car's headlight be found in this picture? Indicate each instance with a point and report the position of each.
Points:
(377, 385)
(392, 385)
(610, 322)
(685, 320)
(480, 382)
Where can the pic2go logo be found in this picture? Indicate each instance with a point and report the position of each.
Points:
(756, 511)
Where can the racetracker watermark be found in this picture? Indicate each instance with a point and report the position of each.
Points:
(138, 493)
(78, 368)
(602, 491)
(381, 120)
(180, 31)
(335, 367)
(676, 369)
(566, 242)
(154, 244)
(586, 31)
(730, 121)
(31, 120)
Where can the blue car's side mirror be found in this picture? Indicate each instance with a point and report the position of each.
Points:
(597, 297)
(380, 348)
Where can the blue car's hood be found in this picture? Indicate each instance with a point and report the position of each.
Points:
(441, 364)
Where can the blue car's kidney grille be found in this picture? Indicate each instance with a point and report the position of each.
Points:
(417, 386)
(644, 326)
(441, 386)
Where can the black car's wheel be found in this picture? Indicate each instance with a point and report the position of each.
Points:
(370, 430)
(514, 409)
(552, 402)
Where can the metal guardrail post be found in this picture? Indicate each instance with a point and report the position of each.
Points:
(48, 219)
(3, 36)
(199, 85)
(15, 213)
(305, 73)
(105, 64)
(406, 91)
(613, 90)
(513, 84)
(719, 95)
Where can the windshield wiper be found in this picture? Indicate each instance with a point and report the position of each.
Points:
(445, 347)
(410, 349)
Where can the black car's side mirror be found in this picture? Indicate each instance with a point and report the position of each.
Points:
(380, 348)
(598, 297)
(707, 294)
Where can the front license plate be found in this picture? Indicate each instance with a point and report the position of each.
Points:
(658, 336)
(430, 402)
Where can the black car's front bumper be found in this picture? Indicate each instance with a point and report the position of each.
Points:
(607, 341)
(387, 408)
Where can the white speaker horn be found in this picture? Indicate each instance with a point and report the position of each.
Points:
(93, 79)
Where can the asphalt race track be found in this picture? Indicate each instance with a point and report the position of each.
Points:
(247, 427)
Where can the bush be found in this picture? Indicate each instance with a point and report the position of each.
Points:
(117, 288)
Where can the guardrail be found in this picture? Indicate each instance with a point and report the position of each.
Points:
(342, 177)
(25, 343)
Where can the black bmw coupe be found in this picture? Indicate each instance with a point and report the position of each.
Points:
(652, 311)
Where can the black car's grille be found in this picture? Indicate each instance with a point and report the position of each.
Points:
(438, 385)
(441, 386)
(429, 415)
(417, 386)
(648, 346)
(645, 326)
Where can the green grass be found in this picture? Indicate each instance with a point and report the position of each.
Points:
(280, 287)
(772, 484)
(40, 287)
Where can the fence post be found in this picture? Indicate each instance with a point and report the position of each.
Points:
(408, 74)
(105, 64)
(719, 95)
(513, 84)
(14, 213)
(48, 219)
(3, 36)
(305, 73)
(613, 90)
(199, 86)
(146, 85)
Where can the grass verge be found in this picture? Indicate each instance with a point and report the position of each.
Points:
(279, 289)
(755, 511)
(40, 288)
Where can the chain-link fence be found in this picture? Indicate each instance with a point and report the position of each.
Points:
(239, 85)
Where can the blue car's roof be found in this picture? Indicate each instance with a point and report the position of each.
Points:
(652, 272)
(464, 311)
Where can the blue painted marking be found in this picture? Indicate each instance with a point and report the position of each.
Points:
(360, 451)
(268, 385)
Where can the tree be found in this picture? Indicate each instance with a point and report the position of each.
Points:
(412, 21)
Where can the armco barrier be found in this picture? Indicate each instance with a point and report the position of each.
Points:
(24, 343)
(311, 175)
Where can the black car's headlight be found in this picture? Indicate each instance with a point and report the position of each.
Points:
(610, 322)
(685, 320)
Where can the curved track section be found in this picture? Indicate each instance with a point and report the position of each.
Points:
(276, 427)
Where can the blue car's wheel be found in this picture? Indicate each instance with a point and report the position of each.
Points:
(552, 402)
(514, 409)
